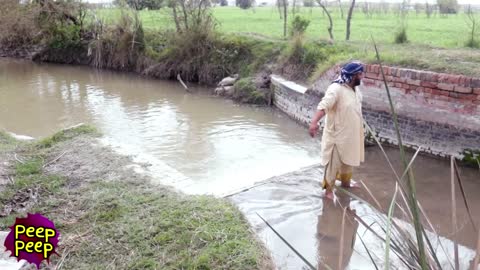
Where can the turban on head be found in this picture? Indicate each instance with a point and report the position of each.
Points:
(348, 71)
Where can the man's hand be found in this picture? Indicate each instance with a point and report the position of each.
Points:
(313, 130)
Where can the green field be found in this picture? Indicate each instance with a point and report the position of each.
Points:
(438, 31)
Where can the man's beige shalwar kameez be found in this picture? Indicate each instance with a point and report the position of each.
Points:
(343, 134)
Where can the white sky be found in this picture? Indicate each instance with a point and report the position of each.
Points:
(461, 2)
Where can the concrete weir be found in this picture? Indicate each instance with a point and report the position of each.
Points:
(439, 112)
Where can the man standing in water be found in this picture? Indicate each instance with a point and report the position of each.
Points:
(343, 135)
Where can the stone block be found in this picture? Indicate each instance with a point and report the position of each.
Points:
(439, 92)
(414, 82)
(462, 89)
(428, 84)
(445, 86)
(475, 83)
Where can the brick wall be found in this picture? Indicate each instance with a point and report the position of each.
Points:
(440, 112)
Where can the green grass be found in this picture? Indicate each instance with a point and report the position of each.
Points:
(65, 135)
(439, 31)
(7, 142)
(124, 224)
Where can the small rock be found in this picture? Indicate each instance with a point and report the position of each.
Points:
(229, 90)
(20, 137)
(228, 80)
(219, 91)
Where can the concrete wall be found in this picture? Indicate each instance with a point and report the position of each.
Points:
(439, 112)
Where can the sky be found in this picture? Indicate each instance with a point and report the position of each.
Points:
(461, 2)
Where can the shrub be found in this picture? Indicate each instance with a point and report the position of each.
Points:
(448, 6)
(299, 26)
(17, 24)
(401, 36)
(244, 4)
(300, 59)
(246, 92)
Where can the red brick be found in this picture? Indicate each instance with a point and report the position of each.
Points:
(443, 78)
(428, 90)
(445, 87)
(461, 89)
(439, 93)
(414, 82)
(467, 82)
(371, 75)
(468, 96)
(427, 95)
(396, 72)
(477, 102)
(398, 85)
(420, 89)
(476, 91)
(428, 84)
(454, 79)
(440, 97)
(432, 77)
(454, 95)
(475, 83)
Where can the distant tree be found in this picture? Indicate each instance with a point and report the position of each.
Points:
(330, 26)
(141, 4)
(223, 3)
(418, 8)
(429, 9)
(308, 3)
(341, 8)
(472, 42)
(349, 19)
(244, 4)
(299, 26)
(285, 11)
(447, 6)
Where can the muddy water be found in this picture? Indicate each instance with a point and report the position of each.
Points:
(294, 205)
(212, 144)
(204, 144)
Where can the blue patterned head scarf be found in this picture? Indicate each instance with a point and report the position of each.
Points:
(348, 71)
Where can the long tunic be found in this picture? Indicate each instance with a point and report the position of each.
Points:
(343, 125)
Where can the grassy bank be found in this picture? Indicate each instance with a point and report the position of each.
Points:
(222, 41)
(121, 222)
(443, 31)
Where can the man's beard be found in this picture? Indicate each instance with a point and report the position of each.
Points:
(356, 82)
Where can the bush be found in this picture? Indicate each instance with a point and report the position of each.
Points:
(244, 4)
(448, 6)
(473, 43)
(299, 26)
(308, 3)
(141, 4)
(246, 92)
(64, 37)
(401, 36)
(300, 59)
(17, 24)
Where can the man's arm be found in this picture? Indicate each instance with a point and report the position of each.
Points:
(314, 124)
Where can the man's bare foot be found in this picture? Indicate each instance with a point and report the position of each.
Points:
(352, 184)
(329, 195)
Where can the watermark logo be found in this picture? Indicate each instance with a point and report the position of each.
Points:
(33, 239)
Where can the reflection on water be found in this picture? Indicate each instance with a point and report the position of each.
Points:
(336, 232)
(293, 204)
(218, 145)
